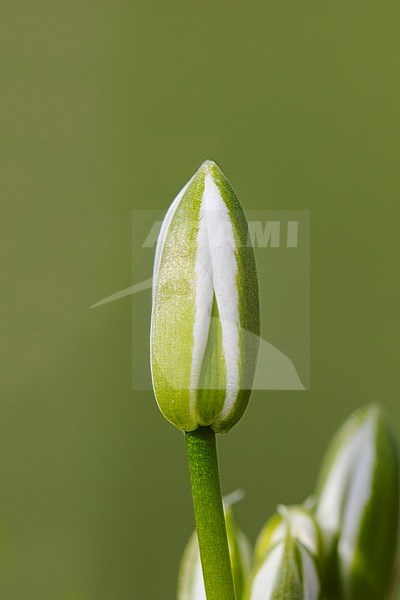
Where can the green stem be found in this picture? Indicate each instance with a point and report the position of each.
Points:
(209, 514)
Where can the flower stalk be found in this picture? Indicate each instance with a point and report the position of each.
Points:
(209, 514)
(190, 578)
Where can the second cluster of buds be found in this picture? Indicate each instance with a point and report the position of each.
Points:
(341, 544)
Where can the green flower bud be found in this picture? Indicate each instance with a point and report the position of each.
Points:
(190, 581)
(205, 318)
(297, 520)
(357, 507)
(287, 572)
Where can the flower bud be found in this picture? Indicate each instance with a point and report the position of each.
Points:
(297, 520)
(205, 318)
(190, 582)
(357, 507)
(287, 571)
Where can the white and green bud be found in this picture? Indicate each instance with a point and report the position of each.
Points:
(357, 507)
(297, 520)
(285, 568)
(190, 581)
(205, 318)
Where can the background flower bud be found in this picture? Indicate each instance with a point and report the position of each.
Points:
(357, 507)
(287, 572)
(205, 319)
(297, 520)
(190, 581)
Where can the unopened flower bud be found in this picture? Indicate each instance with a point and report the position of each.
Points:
(297, 520)
(357, 507)
(286, 557)
(205, 318)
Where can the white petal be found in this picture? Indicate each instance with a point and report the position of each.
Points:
(357, 451)
(203, 304)
(267, 576)
(224, 270)
(311, 586)
(358, 495)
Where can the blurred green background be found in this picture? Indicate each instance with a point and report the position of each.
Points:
(107, 107)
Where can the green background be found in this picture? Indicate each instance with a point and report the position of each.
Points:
(107, 107)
